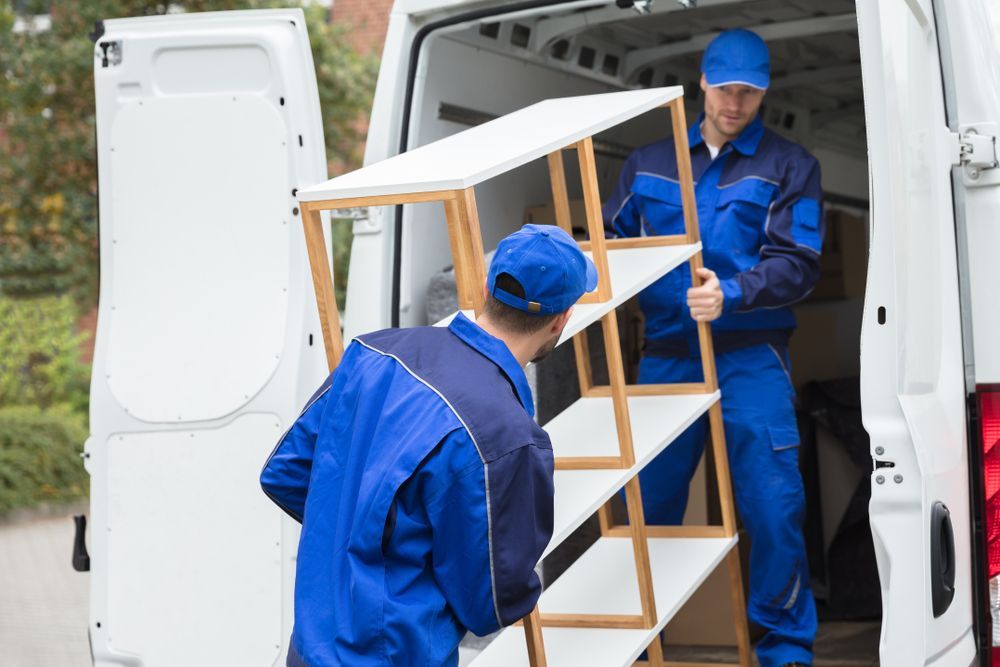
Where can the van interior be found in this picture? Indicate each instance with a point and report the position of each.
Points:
(479, 70)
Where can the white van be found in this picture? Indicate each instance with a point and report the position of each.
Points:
(208, 342)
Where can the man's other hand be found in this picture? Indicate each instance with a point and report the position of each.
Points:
(705, 302)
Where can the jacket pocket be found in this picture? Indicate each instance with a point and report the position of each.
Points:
(784, 434)
(806, 214)
(747, 191)
(740, 219)
(660, 204)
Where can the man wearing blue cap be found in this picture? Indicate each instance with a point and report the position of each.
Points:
(423, 485)
(761, 227)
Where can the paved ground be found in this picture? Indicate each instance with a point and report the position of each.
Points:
(43, 600)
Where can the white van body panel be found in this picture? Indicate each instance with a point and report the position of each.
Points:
(208, 341)
(973, 73)
(912, 384)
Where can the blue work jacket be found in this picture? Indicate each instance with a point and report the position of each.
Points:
(760, 217)
(424, 488)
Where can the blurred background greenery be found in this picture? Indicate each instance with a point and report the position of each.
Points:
(48, 219)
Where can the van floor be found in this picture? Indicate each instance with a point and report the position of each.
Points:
(838, 644)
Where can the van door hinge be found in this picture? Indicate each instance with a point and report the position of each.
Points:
(974, 148)
(110, 53)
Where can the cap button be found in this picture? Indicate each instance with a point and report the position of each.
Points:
(544, 232)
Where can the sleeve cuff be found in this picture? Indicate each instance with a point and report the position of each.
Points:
(732, 294)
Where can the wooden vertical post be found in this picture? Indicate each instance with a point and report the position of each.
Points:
(584, 372)
(466, 241)
(683, 152)
(459, 253)
(560, 203)
(473, 241)
(533, 635)
(595, 222)
(560, 197)
(716, 423)
(616, 375)
(326, 301)
(655, 652)
(640, 549)
(633, 495)
(605, 519)
(739, 606)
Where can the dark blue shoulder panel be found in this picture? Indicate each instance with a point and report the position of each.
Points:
(474, 386)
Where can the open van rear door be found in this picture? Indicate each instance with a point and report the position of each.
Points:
(972, 94)
(207, 342)
(912, 381)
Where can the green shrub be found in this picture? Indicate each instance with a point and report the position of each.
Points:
(40, 456)
(40, 360)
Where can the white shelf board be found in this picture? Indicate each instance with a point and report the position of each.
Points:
(603, 581)
(479, 153)
(587, 428)
(632, 270)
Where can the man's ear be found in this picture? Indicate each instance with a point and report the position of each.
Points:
(704, 83)
(560, 322)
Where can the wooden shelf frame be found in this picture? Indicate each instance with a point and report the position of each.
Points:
(466, 247)
(619, 391)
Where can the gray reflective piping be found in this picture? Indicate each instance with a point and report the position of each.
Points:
(756, 178)
(795, 593)
(288, 430)
(767, 232)
(279, 443)
(661, 177)
(767, 223)
(781, 362)
(486, 468)
(619, 211)
(784, 305)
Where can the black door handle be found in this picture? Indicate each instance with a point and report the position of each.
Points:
(81, 559)
(942, 559)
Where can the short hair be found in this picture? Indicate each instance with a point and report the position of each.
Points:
(509, 318)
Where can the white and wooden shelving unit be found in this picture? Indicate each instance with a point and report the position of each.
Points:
(613, 602)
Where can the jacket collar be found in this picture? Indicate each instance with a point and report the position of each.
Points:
(746, 143)
(496, 351)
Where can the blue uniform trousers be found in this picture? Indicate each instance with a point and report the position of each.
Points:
(762, 440)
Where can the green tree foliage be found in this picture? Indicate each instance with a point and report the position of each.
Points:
(40, 456)
(48, 174)
(40, 364)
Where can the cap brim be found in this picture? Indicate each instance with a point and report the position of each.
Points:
(734, 77)
(591, 274)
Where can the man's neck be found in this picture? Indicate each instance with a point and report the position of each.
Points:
(712, 136)
(522, 347)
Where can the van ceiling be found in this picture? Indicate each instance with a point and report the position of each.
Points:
(815, 93)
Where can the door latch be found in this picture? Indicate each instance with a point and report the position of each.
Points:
(974, 149)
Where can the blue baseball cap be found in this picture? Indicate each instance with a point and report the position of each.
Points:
(737, 57)
(550, 266)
